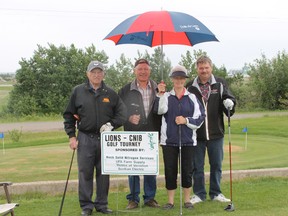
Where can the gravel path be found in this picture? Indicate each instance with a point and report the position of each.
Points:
(58, 125)
(32, 126)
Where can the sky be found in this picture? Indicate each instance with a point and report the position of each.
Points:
(246, 29)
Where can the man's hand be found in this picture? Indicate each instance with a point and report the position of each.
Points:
(73, 143)
(228, 103)
(134, 119)
(106, 127)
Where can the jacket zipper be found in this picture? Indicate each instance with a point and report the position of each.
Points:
(206, 119)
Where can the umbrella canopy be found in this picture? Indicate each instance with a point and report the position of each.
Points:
(155, 28)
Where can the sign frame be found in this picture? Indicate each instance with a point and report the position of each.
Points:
(130, 153)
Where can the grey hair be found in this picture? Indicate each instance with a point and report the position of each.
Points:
(204, 59)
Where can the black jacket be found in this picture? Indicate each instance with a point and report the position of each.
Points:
(134, 103)
(213, 126)
(94, 109)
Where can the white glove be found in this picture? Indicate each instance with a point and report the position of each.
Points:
(106, 127)
(228, 103)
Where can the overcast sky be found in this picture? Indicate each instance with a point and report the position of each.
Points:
(245, 28)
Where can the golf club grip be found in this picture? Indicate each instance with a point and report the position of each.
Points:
(228, 116)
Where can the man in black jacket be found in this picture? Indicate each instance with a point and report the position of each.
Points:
(139, 96)
(215, 96)
(97, 108)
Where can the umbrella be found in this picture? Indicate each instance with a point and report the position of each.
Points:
(156, 28)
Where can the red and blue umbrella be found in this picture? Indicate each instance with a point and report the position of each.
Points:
(156, 28)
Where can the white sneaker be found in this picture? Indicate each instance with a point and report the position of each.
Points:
(221, 198)
(195, 199)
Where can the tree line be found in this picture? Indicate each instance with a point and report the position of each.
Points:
(44, 82)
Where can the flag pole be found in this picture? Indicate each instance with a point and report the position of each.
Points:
(3, 146)
(246, 136)
(246, 140)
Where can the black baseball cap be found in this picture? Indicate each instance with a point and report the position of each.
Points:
(141, 61)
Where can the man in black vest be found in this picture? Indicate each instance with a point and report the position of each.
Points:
(139, 96)
(216, 98)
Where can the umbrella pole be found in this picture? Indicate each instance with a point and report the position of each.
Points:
(161, 63)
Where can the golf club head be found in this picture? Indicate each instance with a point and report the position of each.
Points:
(230, 207)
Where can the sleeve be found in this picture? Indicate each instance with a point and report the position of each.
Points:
(199, 115)
(69, 120)
(120, 112)
(161, 104)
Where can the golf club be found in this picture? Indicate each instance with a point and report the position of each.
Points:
(230, 206)
(180, 168)
(77, 118)
(180, 160)
(135, 111)
(60, 211)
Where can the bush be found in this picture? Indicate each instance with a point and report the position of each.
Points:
(15, 135)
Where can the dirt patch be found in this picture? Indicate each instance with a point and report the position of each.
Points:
(233, 148)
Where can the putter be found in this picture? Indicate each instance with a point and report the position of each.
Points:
(230, 206)
(60, 211)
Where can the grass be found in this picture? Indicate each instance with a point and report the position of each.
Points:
(262, 196)
(46, 155)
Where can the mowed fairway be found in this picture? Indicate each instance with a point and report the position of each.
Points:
(46, 156)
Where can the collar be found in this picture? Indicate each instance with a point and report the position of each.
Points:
(135, 85)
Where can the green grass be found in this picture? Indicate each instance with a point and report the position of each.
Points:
(46, 155)
(29, 139)
(267, 125)
(262, 196)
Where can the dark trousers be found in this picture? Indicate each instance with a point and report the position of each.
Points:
(171, 158)
(89, 159)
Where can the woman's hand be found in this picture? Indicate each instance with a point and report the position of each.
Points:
(180, 120)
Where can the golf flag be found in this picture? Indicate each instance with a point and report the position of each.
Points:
(245, 129)
(2, 137)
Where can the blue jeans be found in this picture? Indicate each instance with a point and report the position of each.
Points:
(215, 156)
(149, 188)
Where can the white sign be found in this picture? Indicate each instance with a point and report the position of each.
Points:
(130, 153)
